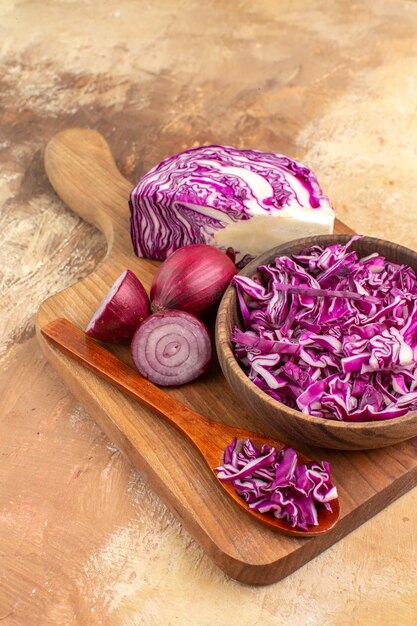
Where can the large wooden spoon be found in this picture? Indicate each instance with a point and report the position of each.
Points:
(209, 437)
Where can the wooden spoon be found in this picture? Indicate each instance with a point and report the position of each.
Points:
(209, 437)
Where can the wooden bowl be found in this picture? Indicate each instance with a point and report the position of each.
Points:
(274, 418)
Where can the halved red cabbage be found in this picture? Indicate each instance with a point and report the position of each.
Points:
(273, 481)
(332, 335)
(226, 197)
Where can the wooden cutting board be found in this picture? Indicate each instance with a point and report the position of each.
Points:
(82, 171)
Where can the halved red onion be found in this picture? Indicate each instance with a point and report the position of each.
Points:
(192, 279)
(171, 348)
(121, 311)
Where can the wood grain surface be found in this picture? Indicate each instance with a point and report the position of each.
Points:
(77, 160)
(83, 538)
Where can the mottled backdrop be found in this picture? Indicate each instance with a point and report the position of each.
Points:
(82, 538)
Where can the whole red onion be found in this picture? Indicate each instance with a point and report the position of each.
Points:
(192, 279)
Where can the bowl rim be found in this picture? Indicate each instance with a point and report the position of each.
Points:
(223, 340)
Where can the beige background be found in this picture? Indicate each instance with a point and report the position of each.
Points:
(82, 538)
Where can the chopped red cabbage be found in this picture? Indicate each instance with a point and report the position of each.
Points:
(273, 481)
(331, 335)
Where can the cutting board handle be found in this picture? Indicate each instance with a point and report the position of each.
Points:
(78, 160)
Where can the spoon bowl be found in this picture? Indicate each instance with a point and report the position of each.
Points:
(209, 437)
(327, 519)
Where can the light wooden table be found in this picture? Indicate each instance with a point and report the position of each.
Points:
(82, 538)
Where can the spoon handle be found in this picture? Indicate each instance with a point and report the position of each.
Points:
(73, 341)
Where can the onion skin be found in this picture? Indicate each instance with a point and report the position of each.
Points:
(121, 311)
(171, 348)
(192, 279)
